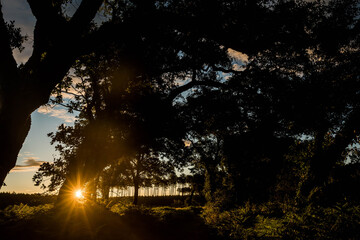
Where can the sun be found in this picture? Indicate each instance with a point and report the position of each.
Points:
(79, 194)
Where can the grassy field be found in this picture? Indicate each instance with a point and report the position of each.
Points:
(170, 218)
(7, 199)
(156, 218)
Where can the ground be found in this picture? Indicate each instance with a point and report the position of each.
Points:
(93, 221)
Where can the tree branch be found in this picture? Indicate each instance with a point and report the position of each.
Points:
(323, 161)
(85, 14)
(68, 106)
(45, 13)
(8, 66)
(192, 84)
(220, 69)
(74, 94)
(107, 32)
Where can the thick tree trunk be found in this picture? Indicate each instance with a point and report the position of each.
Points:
(13, 132)
(15, 121)
(325, 158)
(72, 183)
(66, 194)
(14, 117)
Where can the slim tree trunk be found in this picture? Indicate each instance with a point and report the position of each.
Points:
(94, 192)
(210, 187)
(105, 192)
(136, 191)
(191, 195)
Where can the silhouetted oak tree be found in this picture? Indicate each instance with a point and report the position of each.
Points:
(257, 28)
(58, 41)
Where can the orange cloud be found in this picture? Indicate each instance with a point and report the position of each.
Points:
(30, 164)
(58, 113)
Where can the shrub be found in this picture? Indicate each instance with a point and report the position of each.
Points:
(238, 223)
(341, 221)
(23, 211)
(129, 209)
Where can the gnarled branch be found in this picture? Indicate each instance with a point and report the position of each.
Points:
(192, 84)
(84, 15)
(45, 13)
(8, 67)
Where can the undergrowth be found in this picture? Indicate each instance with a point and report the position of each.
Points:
(23, 211)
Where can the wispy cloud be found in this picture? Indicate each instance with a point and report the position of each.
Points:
(29, 164)
(25, 154)
(57, 113)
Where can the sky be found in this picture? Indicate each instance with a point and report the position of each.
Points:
(36, 148)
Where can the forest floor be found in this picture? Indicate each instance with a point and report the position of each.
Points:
(93, 221)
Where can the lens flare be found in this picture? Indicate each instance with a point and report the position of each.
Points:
(79, 194)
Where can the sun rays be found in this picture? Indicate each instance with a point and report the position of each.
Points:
(79, 194)
(73, 205)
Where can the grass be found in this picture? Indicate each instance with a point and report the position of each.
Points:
(268, 221)
(23, 211)
(96, 221)
(122, 220)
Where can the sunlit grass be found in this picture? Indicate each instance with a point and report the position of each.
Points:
(23, 211)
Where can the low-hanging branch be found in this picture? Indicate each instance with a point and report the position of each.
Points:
(192, 84)
(224, 70)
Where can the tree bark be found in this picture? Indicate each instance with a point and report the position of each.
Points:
(325, 159)
(65, 195)
(14, 122)
(13, 132)
(210, 175)
(136, 191)
(106, 193)
(73, 182)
